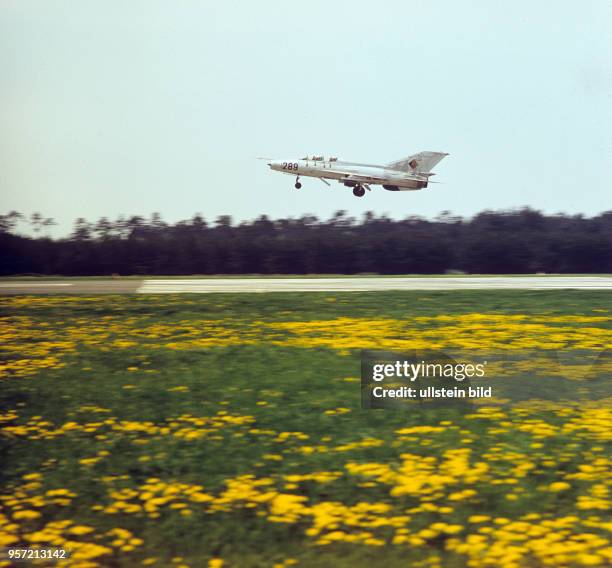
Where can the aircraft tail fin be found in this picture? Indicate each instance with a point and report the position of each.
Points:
(421, 163)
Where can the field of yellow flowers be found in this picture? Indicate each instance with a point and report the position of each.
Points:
(226, 431)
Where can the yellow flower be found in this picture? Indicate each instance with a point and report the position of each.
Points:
(215, 563)
(80, 530)
(7, 539)
(479, 518)
(558, 486)
(32, 476)
(26, 515)
(590, 560)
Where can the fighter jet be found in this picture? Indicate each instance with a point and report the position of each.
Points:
(409, 174)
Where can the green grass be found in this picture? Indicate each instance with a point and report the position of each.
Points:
(284, 389)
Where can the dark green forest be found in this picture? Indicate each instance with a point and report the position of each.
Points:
(519, 241)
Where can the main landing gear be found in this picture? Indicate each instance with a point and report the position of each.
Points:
(358, 191)
(298, 185)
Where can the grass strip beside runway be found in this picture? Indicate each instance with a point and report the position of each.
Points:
(182, 430)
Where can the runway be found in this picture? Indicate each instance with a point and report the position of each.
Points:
(70, 286)
(348, 284)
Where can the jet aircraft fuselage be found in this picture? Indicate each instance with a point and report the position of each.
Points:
(411, 173)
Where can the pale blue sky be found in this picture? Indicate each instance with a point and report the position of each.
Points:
(115, 107)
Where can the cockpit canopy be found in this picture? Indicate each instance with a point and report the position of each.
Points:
(314, 158)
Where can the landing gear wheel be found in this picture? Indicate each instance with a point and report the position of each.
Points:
(298, 185)
(358, 191)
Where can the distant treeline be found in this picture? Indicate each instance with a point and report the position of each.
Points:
(523, 241)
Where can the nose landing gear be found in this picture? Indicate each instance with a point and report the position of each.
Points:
(358, 191)
(298, 185)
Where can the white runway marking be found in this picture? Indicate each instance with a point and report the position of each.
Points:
(211, 285)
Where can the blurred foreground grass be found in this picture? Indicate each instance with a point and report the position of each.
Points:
(225, 430)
